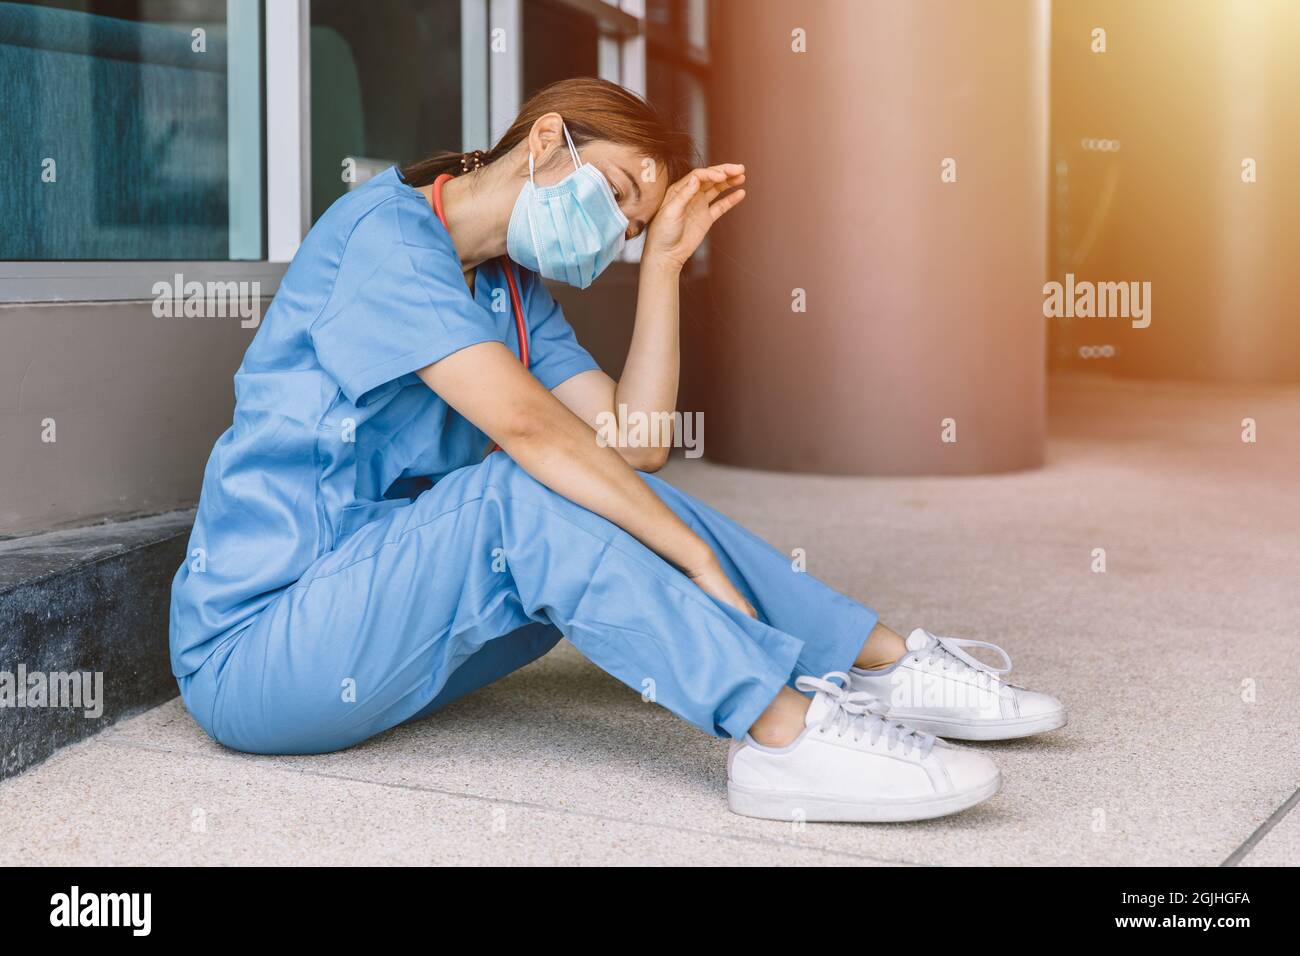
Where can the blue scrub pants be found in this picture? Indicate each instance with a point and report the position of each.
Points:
(484, 573)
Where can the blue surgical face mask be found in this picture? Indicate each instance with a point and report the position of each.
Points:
(568, 232)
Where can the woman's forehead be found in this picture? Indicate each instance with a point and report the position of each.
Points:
(632, 160)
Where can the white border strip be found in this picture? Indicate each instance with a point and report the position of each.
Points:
(474, 128)
(505, 64)
(26, 283)
(244, 128)
(288, 126)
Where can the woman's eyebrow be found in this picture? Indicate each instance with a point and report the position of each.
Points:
(636, 187)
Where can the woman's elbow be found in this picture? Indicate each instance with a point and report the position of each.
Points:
(523, 429)
(645, 459)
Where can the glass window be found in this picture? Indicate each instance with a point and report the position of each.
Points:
(677, 59)
(697, 23)
(385, 88)
(132, 129)
(559, 42)
(677, 63)
(682, 24)
(678, 93)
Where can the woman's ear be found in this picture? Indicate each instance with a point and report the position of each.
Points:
(545, 137)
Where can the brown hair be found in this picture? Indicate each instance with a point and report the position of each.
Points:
(593, 109)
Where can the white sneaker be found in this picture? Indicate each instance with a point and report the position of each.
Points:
(850, 764)
(938, 688)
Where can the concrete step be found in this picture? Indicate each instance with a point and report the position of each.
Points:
(83, 631)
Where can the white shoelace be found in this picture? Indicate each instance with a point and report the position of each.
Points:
(948, 651)
(852, 712)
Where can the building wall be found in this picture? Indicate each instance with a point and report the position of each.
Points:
(136, 403)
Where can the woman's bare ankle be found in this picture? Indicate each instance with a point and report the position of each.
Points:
(882, 648)
(783, 721)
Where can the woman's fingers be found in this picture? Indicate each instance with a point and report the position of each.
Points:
(702, 197)
(723, 170)
(709, 179)
(727, 203)
(713, 191)
(714, 582)
(679, 196)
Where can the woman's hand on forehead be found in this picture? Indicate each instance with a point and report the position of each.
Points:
(690, 208)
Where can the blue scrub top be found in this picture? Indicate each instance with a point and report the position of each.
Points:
(332, 428)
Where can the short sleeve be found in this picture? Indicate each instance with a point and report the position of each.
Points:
(553, 350)
(399, 303)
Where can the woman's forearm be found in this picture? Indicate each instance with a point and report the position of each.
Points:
(562, 453)
(487, 385)
(650, 375)
(648, 386)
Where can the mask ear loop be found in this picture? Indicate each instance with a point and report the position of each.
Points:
(573, 150)
(573, 153)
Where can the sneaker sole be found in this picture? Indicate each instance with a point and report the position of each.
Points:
(776, 805)
(1009, 728)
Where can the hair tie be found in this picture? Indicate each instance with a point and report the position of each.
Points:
(471, 160)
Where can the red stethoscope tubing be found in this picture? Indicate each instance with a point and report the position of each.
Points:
(521, 327)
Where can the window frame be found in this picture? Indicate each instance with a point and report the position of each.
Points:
(131, 280)
(491, 90)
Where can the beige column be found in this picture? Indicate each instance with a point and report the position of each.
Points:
(922, 298)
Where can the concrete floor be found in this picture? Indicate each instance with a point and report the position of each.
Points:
(1178, 665)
